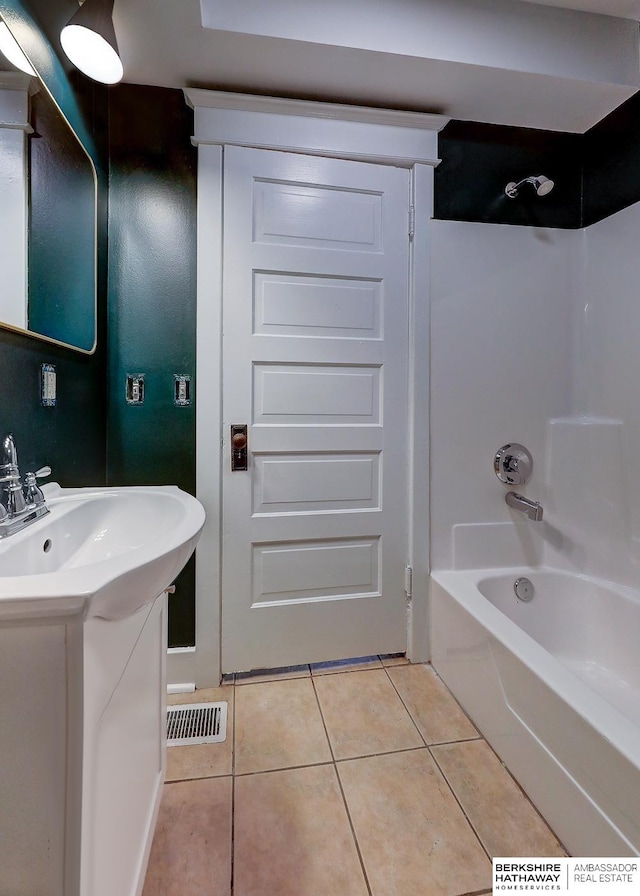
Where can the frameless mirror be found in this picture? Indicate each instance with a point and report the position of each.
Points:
(48, 205)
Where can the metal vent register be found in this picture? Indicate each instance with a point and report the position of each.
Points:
(196, 723)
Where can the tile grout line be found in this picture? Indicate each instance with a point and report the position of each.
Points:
(446, 780)
(457, 702)
(525, 796)
(332, 761)
(353, 833)
(462, 809)
(460, 740)
(289, 768)
(283, 768)
(440, 743)
(377, 755)
(484, 739)
(420, 734)
(233, 792)
(344, 798)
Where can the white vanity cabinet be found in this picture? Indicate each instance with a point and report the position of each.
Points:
(82, 752)
(124, 736)
(35, 773)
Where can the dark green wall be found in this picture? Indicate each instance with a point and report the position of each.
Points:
(152, 300)
(139, 139)
(72, 436)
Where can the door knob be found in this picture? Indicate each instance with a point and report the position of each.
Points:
(239, 443)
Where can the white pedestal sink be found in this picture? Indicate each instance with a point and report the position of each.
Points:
(82, 687)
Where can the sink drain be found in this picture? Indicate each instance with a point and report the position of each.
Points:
(196, 723)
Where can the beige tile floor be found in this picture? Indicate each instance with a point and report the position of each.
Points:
(362, 779)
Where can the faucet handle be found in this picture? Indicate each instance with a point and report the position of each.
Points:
(32, 492)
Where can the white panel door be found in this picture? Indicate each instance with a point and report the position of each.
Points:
(315, 337)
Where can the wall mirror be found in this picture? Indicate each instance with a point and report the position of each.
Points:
(48, 217)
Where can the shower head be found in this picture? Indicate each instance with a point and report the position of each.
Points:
(541, 184)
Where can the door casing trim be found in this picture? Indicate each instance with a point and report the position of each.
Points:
(292, 134)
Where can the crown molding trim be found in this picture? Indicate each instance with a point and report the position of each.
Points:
(387, 136)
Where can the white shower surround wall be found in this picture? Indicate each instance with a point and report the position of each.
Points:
(501, 365)
(534, 339)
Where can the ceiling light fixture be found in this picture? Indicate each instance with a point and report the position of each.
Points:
(9, 47)
(89, 40)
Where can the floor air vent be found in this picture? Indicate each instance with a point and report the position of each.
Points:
(196, 723)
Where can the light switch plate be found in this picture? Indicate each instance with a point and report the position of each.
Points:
(181, 390)
(48, 385)
(134, 388)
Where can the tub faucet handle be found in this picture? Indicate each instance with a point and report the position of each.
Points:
(513, 464)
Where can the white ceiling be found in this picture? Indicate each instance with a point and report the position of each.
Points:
(529, 63)
(626, 9)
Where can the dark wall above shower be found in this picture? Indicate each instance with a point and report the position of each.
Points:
(596, 174)
(611, 163)
(478, 160)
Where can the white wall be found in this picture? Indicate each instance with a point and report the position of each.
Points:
(605, 477)
(501, 366)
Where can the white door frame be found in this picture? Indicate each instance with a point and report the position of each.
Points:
(403, 139)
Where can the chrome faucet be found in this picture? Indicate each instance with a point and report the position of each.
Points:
(532, 508)
(20, 505)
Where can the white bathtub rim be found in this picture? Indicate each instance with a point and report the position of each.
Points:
(462, 585)
(491, 572)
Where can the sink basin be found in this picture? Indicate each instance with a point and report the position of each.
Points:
(101, 552)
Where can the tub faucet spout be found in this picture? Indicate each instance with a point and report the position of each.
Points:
(533, 509)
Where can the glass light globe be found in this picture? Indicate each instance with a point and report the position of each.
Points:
(92, 54)
(10, 48)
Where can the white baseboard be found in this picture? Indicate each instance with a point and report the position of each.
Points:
(187, 687)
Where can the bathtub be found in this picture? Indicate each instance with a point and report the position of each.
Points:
(554, 686)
